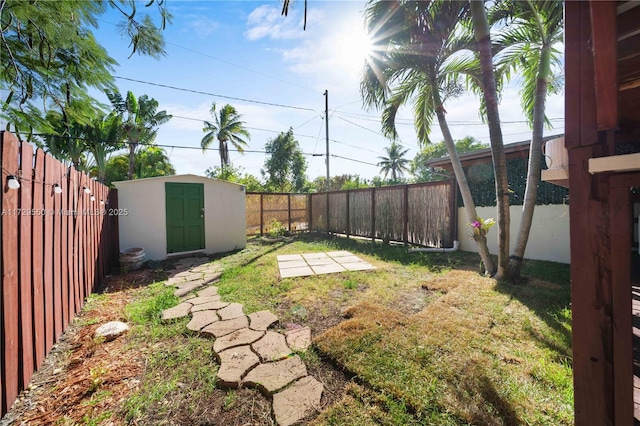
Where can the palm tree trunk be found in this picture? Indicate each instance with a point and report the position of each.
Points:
(535, 159)
(481, 32)
(132, 158)
(461, 178)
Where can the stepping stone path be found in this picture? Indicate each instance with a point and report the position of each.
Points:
(249, 353)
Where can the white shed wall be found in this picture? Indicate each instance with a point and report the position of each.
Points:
(145, 224)
(548, 239)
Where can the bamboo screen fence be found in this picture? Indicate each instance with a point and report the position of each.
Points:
(421, 214)
(58, 242)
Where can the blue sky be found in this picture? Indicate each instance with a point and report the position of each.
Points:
(246, 50)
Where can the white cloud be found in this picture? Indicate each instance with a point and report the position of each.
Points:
(268, 22)
(201, 25)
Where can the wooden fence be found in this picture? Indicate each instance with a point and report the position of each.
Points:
(421, 214)
(58, 242)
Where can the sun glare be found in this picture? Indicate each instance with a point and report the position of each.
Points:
(353, 47)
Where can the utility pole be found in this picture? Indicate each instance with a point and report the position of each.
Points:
(326, 117)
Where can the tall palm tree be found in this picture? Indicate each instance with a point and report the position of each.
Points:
(528, 45)
(481, 32)
(394, 162)
(140, 121)
(227, 126)
(420, 52)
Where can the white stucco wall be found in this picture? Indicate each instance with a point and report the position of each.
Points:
(548, 239)
(145, 224)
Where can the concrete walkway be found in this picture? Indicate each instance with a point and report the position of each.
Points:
(249, 353)
(302, 265)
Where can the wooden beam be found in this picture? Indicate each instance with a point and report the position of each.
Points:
(604, 40)
(615, 163)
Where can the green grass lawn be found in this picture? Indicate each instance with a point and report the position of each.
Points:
(426, 339)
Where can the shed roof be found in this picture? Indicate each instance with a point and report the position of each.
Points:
(202, 179)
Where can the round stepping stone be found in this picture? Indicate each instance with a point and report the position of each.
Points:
(273, 376)
(200, 320)
(222, 328)
(297, 401)
(298, 339)
(234, 310)
(215, 305)
(178, 311)
(209, 291)
(272, 347)
(244, 336)
(234, 364)
(261, 320)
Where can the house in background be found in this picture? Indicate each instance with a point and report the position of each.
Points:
(602, 135)
(549, 236)
(172, 215)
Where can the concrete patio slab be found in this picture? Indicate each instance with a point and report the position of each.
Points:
(308, 256)
(348, 259)
(324, 261)
(291, 264)
(304, 271)
(327, 269)
(358, 266)
(287, 257)
(340, 253)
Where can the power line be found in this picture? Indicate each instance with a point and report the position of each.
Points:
(354, 160)
(215, 95)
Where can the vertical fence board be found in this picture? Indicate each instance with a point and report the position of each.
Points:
(70, 254)
(74, 181)
(48, 255)
(37, 252)
(57, 256)
(10, 319)
(26, 303)
(64, 250)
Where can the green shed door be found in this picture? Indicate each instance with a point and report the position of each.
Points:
(185, 216)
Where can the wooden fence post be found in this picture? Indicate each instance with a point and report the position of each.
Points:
(373, 214)
(405, 228)
(261, 214)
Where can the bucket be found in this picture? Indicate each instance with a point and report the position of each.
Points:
(132, 259)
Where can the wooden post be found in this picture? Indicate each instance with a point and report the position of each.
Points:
(37, 253)
(348, 218)
(289, 210)
(373, 214)
(261, 214)
(453, 210)
(405, 216)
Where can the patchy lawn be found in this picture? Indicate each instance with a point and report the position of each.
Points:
(423, 339)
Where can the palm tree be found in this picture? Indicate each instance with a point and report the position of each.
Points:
(227, 127)
(419, 57)
(394, 162)
(140, 121)
(103, 138)
(481, 32)
(528, 45)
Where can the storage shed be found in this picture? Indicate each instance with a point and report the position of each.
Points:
(181, 214)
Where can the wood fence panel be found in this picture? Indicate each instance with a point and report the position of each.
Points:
(48, 255)
(430, 214)
(50, 259)
(299, 212)
(360, 212)
(24, 240)
(10, 313)
(37, 253)
(338, 212)
(319, 212)
(389, 211)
